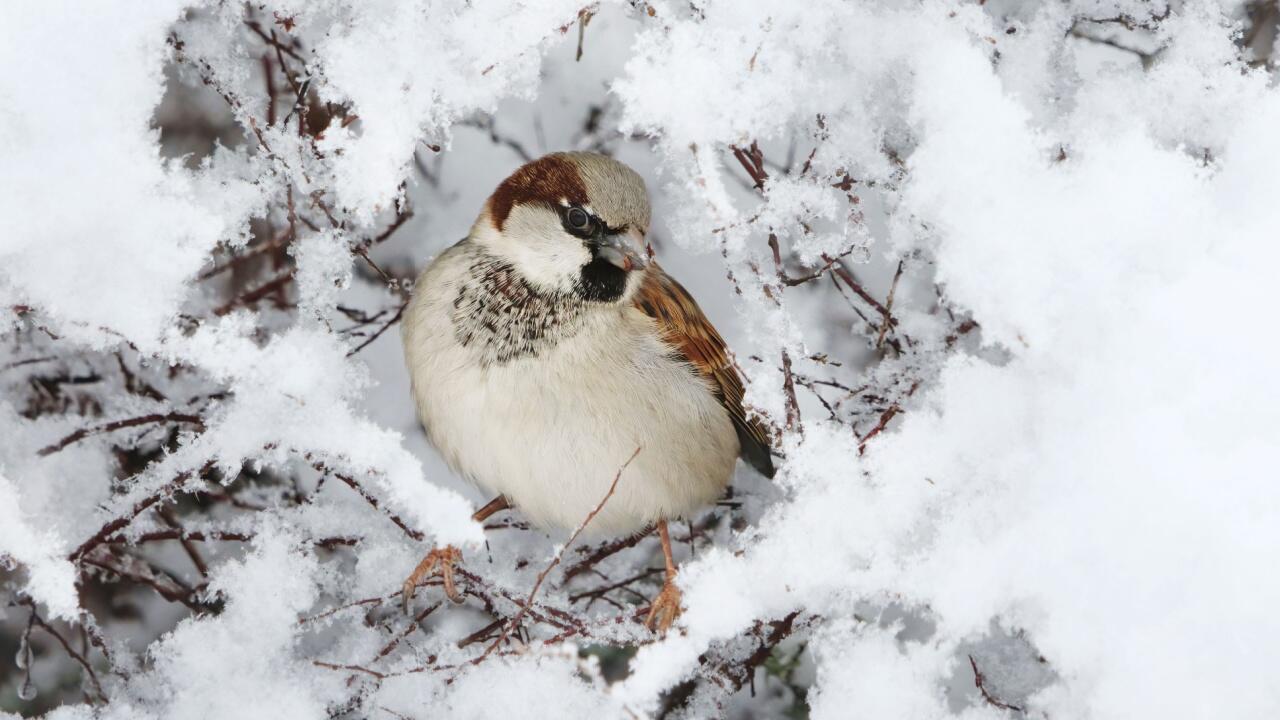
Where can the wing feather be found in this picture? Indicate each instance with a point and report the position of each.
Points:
(694, 338)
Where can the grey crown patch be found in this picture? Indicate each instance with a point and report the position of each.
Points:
(500, 317)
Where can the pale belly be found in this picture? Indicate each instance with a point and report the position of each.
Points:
(551, 432)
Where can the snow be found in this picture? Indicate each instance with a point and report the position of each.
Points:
(52, 577)
(245, 663)
(411, 69)
(545, 686)
(112, 196)
(1049, 454)
(871, 674)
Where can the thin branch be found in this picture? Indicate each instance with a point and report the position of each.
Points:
(187, 545)
(598, 593)
(789, 388)
(381, 329)
(607, 550)
(888, 306)
(352, 668)
(373, 501)
(30, 361)
(515, 621)
(417, 622)
(883, 422)
(979, 681)
(77, 436)
(174, 591)
(401, 219)
(78, 657)
(120, 522)
(279, 240)
(258, 293)
(857, 288)
(752, 160)
(487, 123)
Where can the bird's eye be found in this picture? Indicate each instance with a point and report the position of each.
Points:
(578, 218)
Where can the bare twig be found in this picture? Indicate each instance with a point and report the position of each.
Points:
(857, 288)
(144, 573)
(120, 522)
(883, 422)
(258, 293)
(381, 329)
(77, 436)
(888, 306)
(30, 361)
(78, 657)
(604, 552)
(515, 621)
(599, 593)
(789, 388)
(373, 501)
(409, 630)
(279, 240)
(351, 668)
(979, 681)
(187, 545)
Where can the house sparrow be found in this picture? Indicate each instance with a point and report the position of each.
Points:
(546, 347)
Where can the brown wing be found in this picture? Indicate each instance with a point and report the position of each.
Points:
(696, 340)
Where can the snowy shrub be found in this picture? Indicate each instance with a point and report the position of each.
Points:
(998, 275)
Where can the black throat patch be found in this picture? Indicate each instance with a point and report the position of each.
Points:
(501, 317)
(601, 280)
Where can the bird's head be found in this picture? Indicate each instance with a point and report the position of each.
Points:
(570, 223)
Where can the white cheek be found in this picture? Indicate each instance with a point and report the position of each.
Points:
(538, 249)
(552, 264)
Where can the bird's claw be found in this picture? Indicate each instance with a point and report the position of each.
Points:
(665, 608)
(439, 560)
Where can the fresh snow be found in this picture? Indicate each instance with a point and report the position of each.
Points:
(1054, 464)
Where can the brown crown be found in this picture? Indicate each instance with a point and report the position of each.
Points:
(548, 179)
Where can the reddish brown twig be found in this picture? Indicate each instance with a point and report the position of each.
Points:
(373, 501)
(744, 673)
(789, 388)
(604, 552)
(115, 525)
(979, 681)
(857, 288)
(401, 219)
(279, 240)
(481, 634)
(83, 433)
(256, 294)
(347, 606)
(752, 160)
(381, 329)
(524, 608)
(888, 306)
(351, 668)
(272, 41)
(76, 656)
(144, 573)
(600, 592)
(409, 629)
(29, 361)
(224, 536)
(195, 536)
(890, 413)
(187, 545)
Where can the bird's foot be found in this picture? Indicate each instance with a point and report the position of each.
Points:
(439, 560)
(665, 608)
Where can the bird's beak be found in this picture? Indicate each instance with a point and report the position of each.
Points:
(622, 250)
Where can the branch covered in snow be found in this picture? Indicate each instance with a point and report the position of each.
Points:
(997, 278)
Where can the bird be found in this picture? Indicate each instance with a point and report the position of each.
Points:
(548, 346)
